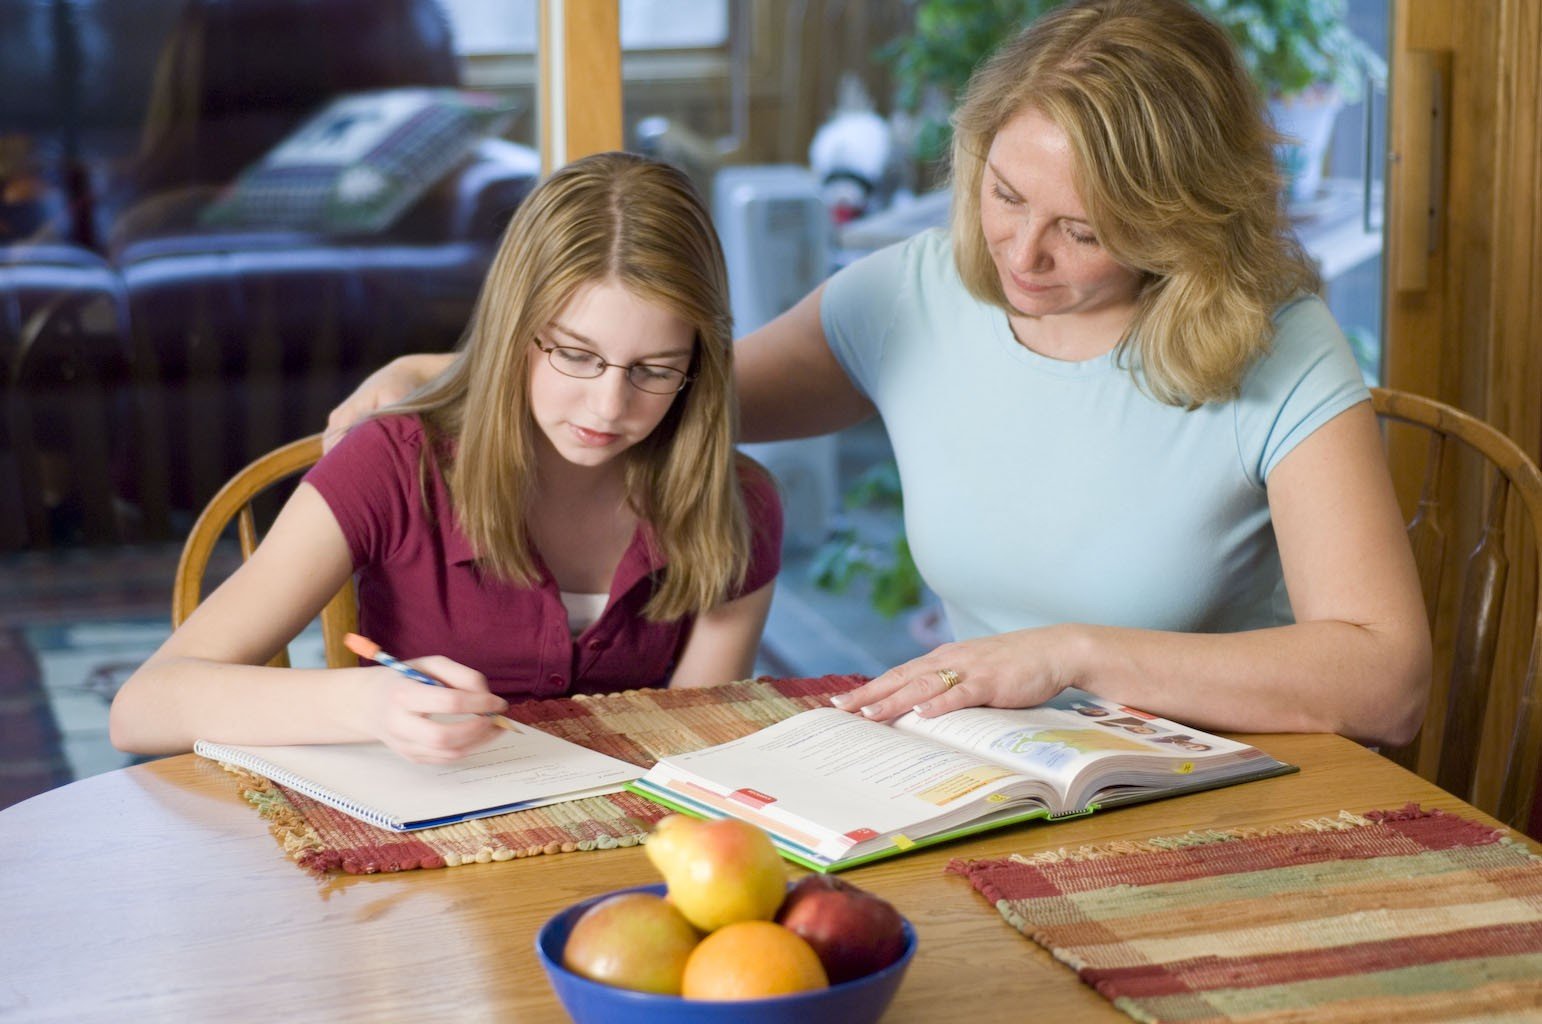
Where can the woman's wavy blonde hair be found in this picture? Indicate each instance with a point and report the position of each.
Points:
(612, 217)
(1174, 161)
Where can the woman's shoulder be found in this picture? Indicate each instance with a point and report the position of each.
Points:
(925, 254)
(1308, 376)
(1306, 338)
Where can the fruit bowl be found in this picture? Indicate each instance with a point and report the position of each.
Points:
(859, 1001)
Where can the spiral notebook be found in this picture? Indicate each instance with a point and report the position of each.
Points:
(373, 783)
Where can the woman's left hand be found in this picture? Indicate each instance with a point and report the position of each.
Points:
(1008, 670)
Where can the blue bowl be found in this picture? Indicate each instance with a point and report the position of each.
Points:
(859, 1001)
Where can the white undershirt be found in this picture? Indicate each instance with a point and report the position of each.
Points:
(583, 609)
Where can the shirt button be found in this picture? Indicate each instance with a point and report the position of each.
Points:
(598, 645)
(556, 681)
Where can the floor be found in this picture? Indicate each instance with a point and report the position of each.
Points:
(81, 621)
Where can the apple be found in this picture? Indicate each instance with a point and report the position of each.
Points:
(717, 872)
(854, 932)
(631, 940)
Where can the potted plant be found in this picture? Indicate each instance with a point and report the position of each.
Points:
(1308, 64)
(1301, 53)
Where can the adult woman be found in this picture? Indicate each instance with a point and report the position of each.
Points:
(1124, 427)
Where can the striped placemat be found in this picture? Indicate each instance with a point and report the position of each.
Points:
(639, 726)
(1408, 915)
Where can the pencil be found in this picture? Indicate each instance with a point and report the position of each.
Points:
(364, 647)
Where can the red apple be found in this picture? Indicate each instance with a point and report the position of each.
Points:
(854, 932)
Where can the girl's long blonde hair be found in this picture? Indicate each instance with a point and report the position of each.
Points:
(620, 218)
(1174, 161)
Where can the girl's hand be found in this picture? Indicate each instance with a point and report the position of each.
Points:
(399, 712)
(1009, 670)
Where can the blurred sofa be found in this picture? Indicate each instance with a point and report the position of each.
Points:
(146, 351)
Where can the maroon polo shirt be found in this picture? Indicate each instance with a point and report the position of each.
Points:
(422, 592)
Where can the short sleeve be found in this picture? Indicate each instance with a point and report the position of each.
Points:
(764, 508)
(1308, 377)
(856, 309)
(368, 481)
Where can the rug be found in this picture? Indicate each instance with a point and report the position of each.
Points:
(639, 726)
(1408, 915)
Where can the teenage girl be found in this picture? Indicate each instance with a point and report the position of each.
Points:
(561, 511)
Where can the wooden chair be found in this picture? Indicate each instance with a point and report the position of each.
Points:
(235, 501)
(1482, 735)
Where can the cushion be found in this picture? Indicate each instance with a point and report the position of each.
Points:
(357, 164)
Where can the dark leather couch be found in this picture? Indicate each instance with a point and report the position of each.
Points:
(144, 356)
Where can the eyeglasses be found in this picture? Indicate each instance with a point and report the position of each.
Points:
(585, 365)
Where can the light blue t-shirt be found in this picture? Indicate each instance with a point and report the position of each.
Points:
(1039, 491)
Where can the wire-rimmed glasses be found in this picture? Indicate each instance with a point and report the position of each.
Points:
(653, 378)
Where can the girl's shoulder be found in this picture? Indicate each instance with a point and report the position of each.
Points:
(757, 486)
(392, 439)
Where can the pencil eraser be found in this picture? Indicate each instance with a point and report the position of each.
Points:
(362, 646)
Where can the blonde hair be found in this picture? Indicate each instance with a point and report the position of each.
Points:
(1174, 160)
(612, 217)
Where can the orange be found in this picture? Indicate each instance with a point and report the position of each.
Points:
(751, 960)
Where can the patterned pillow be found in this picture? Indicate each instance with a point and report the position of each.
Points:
(355, 166)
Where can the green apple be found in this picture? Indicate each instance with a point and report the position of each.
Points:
(632, 940)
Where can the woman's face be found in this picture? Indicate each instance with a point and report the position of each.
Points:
(589, 421)
(1036, 228)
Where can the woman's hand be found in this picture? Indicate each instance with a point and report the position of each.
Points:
(386, 386)
(1009, 670)
(399, 709)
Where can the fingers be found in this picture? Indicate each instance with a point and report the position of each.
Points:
(434, 741)
(463, 680)
(386, 386)
(901, 689)
(438, 724)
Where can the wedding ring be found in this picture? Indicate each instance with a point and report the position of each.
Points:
(949, 678)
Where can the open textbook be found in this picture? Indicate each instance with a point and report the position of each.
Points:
(513, 771)
(835, 789)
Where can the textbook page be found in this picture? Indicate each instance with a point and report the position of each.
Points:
(1082, 744)
(827, 780)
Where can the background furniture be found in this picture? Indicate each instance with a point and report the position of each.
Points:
(238, 501)
(108, 885)
(1482, 736)
(207, 344)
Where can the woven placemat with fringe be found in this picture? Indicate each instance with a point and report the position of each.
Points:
(639, 726)
(1406, 915)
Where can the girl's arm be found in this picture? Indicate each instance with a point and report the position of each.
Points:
(790, 384)
(209, 680)
(723, 642)
(1356, 661)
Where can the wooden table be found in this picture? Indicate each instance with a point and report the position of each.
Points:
(155, 893)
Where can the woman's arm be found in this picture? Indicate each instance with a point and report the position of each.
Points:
(1356, 661)
(386, 386)
(790, 384)
(209, 680)
(723, 642)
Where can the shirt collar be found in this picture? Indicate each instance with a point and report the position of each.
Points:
(642, 557)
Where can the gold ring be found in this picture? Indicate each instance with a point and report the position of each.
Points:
(949, 678)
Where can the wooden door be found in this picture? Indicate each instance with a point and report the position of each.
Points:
(1464, 239)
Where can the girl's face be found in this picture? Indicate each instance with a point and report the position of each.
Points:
(1036, 228)
(589, 421)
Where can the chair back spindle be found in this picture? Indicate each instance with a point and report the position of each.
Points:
(235, 502)
(1483, 731)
